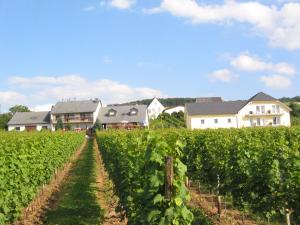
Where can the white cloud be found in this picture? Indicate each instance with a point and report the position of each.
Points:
(11, 97)
(246, 62)
(223, 75)
(280, 24)
(89, 8)
(51, 89)
(276, 81)
(41, 108)
(122, 4)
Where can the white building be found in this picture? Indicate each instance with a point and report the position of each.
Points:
(176, 109)
(29, 121)
(155, 108)
(79, 115)
(260, 110)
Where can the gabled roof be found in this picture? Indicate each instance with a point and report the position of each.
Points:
(261, 96)
(75, 107)
(215, 108)
(153, 101)
(25, 118)
(123, 114)
(209, 99)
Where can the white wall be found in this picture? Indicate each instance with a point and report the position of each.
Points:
(267, 117)
(194, 122)
(155, 109)
(96, 113)
(23, 127)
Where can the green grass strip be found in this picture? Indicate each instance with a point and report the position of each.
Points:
(77, 199)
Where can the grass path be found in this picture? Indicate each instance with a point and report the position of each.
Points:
(77, 201)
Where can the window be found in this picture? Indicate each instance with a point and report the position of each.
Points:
(277, 109)
(133, 111)
(229, 120)
(112, 112)
(216, 121)
(251, 122)
(273, 108)
(258, 121)
(263, 109)
(202, 122)
(276, 120)
(257, 109)
(17, 128)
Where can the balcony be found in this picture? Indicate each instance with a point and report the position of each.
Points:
(77, 119)
(260, 114)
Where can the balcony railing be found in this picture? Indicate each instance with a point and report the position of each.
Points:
(269, 113)
(78, 119)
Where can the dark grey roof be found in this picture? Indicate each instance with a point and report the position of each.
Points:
(209, 99)
(123, 114)
(25, 118)
(215, 108)
(262, 97)
(75, 107)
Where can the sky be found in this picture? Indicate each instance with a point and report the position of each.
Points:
(123, 50)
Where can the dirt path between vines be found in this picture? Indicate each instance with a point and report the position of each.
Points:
(34, 213)
(106, 197)
(208, 204)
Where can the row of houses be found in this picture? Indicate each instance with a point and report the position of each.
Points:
(259, 110)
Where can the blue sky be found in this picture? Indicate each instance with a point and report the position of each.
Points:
(120, 50)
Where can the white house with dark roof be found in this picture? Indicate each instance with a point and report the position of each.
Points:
(29, 121)
(124, 116)
(155, 108)
(80, 115)
(260, 110)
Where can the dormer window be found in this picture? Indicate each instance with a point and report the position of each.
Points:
(133, 111)
(112, 112)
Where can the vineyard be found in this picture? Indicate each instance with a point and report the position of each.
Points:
(258, 169)
(27, 162)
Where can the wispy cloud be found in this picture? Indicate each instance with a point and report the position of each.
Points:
(107, 59)
(280, 24)
(223, 75)
(122, 4)
(89, 8)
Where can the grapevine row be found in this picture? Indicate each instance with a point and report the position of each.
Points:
(27, 161)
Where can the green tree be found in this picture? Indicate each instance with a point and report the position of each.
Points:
(19, 108)
(59, 125)
(296, 109)
(97, 125)
(4, 118)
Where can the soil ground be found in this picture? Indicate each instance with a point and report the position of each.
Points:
(208, 203)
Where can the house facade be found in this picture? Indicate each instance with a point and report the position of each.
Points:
(78, 115)
(29, 121)
(155, 108)
(260, 110)
(124, 117)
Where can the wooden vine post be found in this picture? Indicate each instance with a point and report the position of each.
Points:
(169, 177)
(219, 200)
(287, 215)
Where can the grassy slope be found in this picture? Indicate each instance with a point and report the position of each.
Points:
(77, 199)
